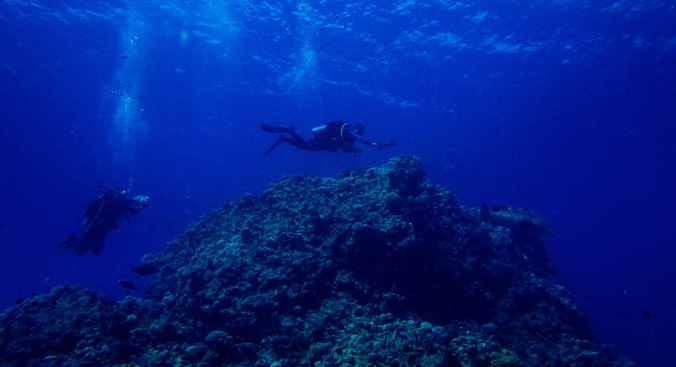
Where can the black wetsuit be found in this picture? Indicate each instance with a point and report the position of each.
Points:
(333, 136)
(100, 216)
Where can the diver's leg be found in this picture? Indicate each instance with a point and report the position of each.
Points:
(300, 143)
(82, 246)
(316, 145)
(295, 140)
(97, 239)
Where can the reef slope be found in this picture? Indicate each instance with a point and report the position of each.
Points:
(375, 267)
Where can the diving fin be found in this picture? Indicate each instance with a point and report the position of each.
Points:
(69, 242)
(274, 145)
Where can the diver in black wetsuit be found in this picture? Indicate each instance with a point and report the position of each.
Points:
(333, 136)
(100, 216)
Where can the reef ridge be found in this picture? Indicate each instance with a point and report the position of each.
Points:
(373, 267)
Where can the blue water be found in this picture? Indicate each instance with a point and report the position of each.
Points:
(564, 107)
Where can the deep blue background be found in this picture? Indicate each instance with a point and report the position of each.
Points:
(564, 107)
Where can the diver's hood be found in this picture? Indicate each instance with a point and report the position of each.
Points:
(140, 202)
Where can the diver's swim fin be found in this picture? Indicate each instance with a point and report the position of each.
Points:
(274, 145)
(276, 129)
(69, 242)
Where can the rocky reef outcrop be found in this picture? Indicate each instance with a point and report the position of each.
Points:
(374, 267)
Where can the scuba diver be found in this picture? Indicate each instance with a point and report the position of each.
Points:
(100, 216)
(332, 136)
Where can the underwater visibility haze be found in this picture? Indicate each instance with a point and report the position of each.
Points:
(566, 109)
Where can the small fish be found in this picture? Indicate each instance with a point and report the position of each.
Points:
(127, 284)
(144, 269)
(517, 219)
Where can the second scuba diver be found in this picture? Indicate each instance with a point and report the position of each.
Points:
(332, 136)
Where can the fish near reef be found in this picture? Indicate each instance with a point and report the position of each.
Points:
(129, 286)
(144, 269)
(517, 219)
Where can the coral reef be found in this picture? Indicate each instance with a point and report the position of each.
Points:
(375, 267)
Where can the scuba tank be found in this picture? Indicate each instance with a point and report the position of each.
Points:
(332, 134)
(319, 130)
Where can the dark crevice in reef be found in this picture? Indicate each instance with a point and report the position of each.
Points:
(375, 266)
